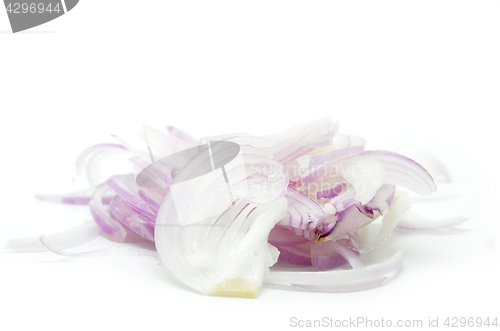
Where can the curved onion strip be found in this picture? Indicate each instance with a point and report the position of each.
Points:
(352, 286)
(434, 166)
(337, 277)
(415, 222)
(71, 237)
(402, 171)
(114, 251)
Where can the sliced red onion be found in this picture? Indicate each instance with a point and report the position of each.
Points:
(414, 222)
(220, 232)
(71, 237)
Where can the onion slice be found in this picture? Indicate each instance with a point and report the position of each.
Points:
(71, 237)
(225, 255)
(414, 222)
(335, 280)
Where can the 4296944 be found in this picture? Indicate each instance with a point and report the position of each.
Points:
(32, 8)
(456, 322)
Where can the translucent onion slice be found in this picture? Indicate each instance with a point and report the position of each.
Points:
(434, 166)
(346, 287)
(402, 171)
(339, 279)
(126, 251)
(414, 222)
(71, 237)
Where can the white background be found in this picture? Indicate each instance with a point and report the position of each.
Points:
(403, 75)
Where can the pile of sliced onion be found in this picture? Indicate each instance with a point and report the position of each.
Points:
(303, 196)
